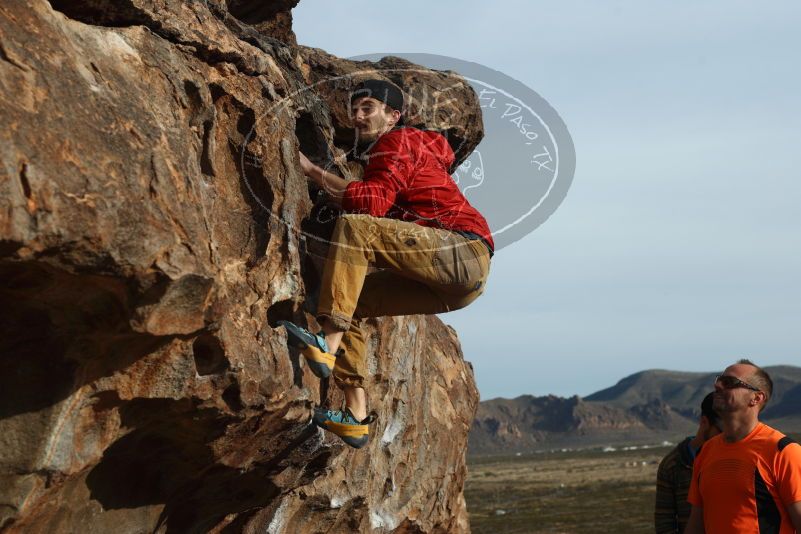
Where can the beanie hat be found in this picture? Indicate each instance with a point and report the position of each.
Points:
(387, 92)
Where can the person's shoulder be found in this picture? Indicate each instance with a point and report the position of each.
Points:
(413, 133)
(401, 132)
(396, 139)
(776, 442)
(417, 142)
(781, 441)
(671, 459)
(710, 448)
(769, 435)
(712, 442)
(785, 442)
(789, 456)
(675, 457)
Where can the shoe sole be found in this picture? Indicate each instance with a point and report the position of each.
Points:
(354, 435)
(321, 363)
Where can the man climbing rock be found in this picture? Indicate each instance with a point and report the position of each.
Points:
(408, 219)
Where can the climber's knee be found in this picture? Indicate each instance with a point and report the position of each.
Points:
(353, 228)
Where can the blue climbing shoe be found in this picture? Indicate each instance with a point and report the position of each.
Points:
(343, 424)
(312, 346)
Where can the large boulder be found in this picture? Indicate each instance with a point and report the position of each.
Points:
(153, 231)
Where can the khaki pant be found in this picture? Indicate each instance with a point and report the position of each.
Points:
(421, 271)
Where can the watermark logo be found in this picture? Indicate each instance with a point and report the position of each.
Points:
(520, 172)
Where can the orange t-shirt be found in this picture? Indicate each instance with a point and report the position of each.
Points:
(747, 486)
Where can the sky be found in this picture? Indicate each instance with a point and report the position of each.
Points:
(678, 245)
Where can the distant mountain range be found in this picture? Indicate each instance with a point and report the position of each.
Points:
(646, 407)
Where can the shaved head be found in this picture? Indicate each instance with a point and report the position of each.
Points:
(759, 379)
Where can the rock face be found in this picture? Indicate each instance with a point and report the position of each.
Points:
(435, 100)
(154, 227)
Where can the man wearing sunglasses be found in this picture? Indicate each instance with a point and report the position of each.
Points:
(747, 479)
(676, 471)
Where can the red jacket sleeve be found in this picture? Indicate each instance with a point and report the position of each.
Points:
(388, 171)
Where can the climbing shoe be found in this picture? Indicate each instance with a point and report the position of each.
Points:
(343, 424)
(312, 346)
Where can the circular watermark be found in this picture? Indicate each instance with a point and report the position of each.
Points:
(516, 177)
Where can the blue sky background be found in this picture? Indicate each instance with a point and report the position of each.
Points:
(679, 243)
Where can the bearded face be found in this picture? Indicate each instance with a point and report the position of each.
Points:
(372, 118)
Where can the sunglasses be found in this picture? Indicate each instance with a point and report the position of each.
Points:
(732, 382)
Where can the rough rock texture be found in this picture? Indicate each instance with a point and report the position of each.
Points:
(434, 100)
(151, 217)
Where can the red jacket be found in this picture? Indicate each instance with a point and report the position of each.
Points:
(407, 178)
